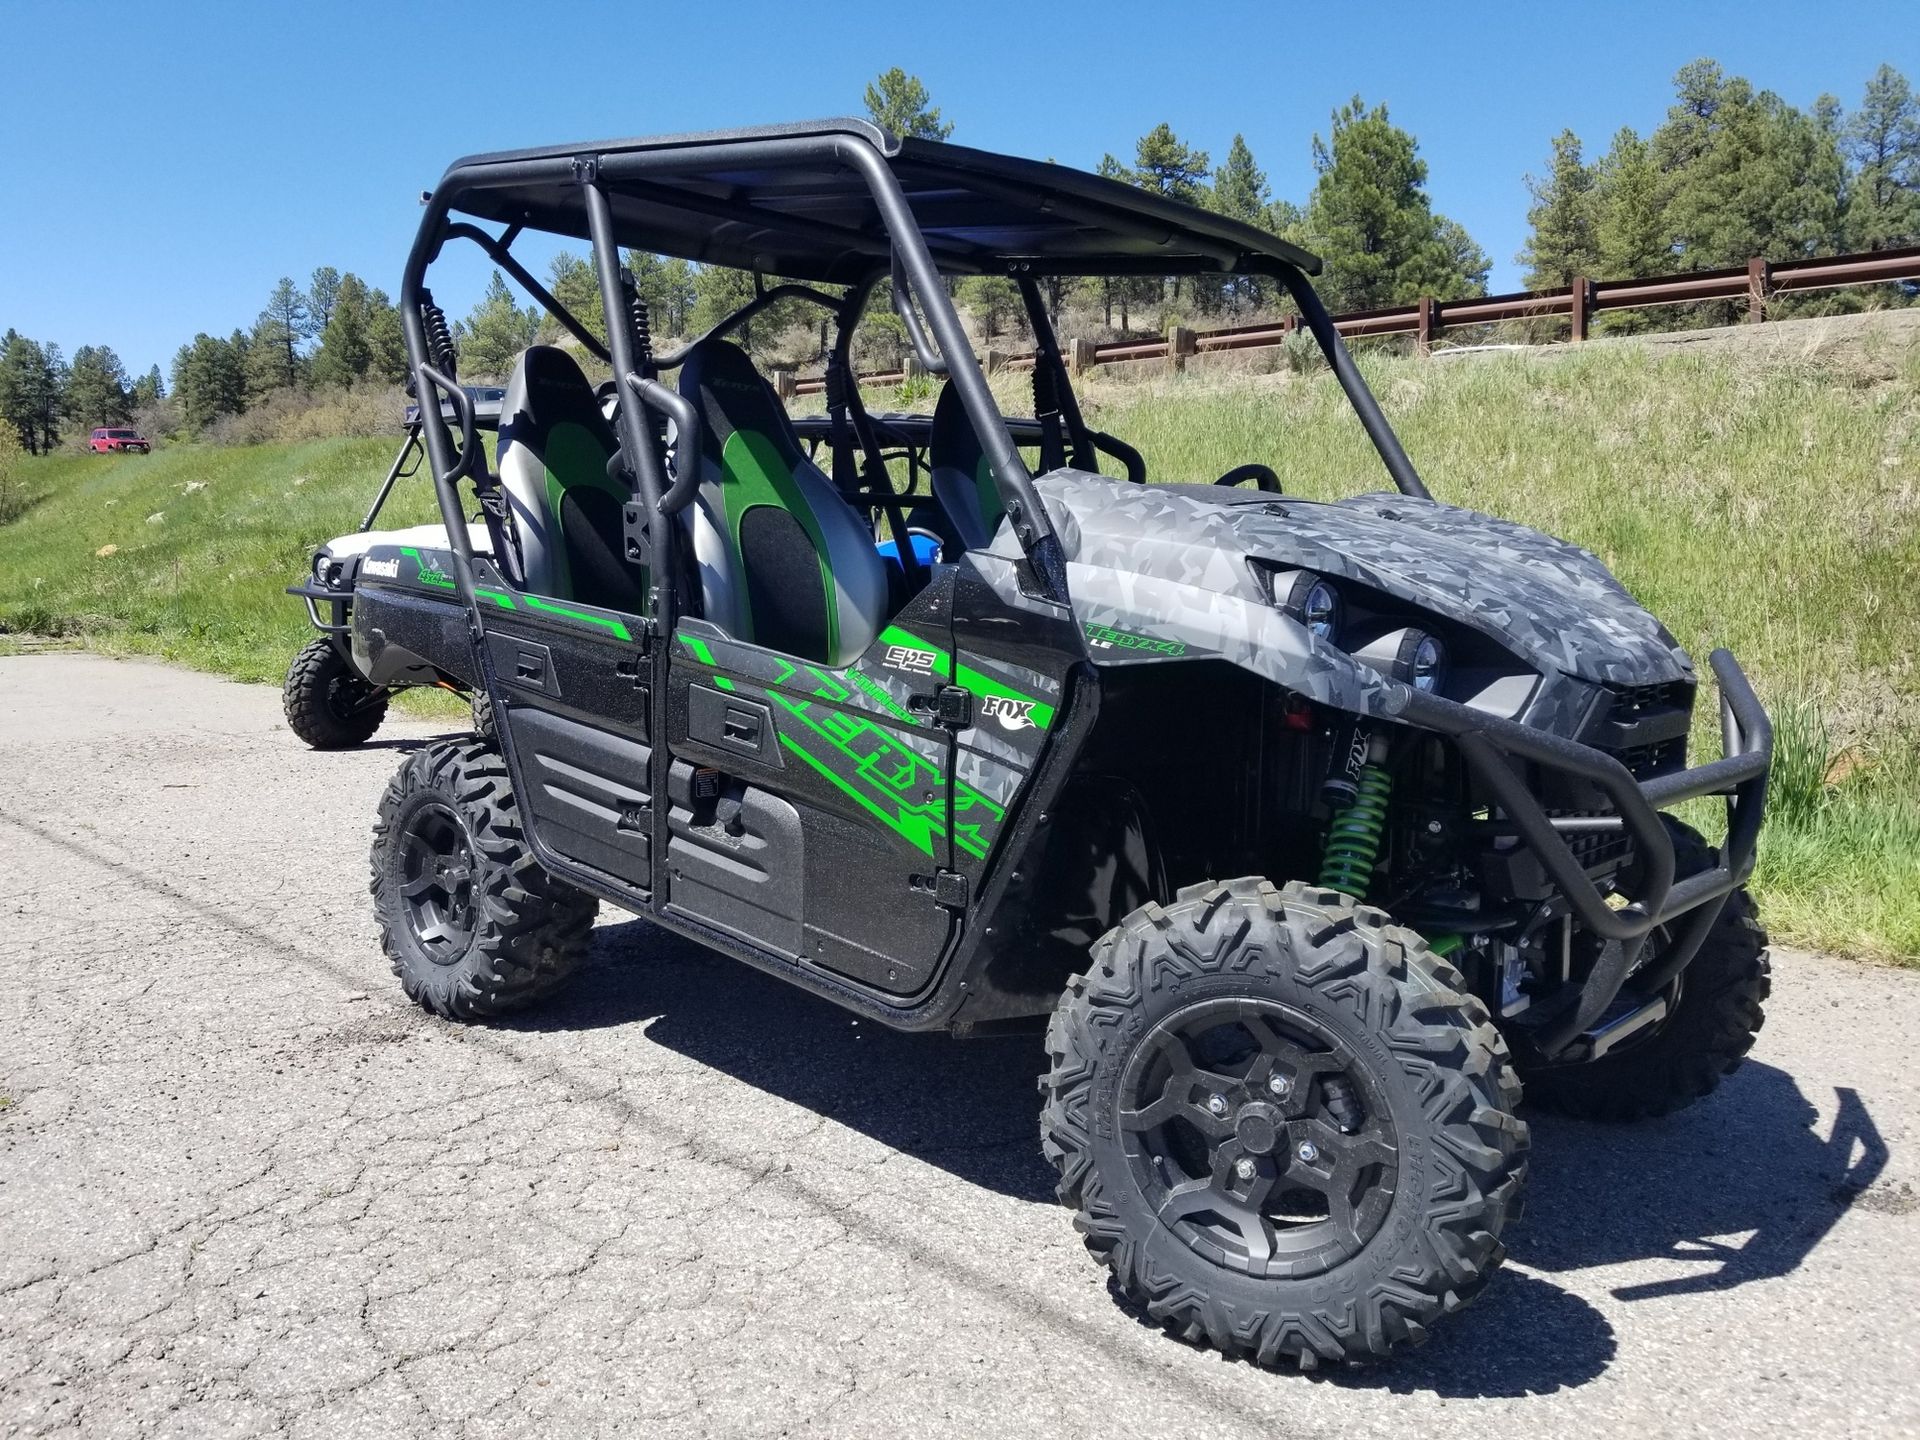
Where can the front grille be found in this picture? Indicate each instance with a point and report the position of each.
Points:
(1644, 727)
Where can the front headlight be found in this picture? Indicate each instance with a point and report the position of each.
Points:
(1312, 600)
(1409, 655)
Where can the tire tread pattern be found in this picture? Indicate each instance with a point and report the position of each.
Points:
(1385, 976)
(531, 929)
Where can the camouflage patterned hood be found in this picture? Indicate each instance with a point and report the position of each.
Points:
(1552, 604)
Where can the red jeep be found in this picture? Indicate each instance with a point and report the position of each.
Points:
(104, 441)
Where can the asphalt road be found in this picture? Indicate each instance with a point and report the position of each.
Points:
(245, 1188)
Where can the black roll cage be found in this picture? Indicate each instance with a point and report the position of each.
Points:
(902, 254)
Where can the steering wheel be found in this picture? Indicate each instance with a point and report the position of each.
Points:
(1261, 474)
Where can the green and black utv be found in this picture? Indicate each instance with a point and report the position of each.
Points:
(1310, 830)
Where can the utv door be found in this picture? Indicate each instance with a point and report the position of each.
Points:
(573, 699)
(811, 807)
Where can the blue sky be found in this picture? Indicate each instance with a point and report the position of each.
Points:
(163, 164)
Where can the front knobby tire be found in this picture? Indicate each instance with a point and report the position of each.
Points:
(1283, 1123)
(327, 702)
(1718, 1004)
(473, 926)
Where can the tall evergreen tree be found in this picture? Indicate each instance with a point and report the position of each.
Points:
(1167, 165)
(148, 389)
(1240, 191)
(346, 348)
(32, 390)
(97, 388)
(718, 291)
(1371, 219)
(1743, 173)
(275, 361)
(210, 378)
(1240, 186)
(386, 341)
(1563, 243)
(898, 102)
(1883, 141)
(1629, 222)
(323, 291)
(491, 338)
(575, 285)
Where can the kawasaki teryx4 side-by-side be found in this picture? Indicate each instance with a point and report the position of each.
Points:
(1310, 830)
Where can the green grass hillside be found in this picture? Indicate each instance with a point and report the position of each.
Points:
(1767, 503)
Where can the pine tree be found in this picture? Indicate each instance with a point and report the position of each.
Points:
(491, 339)
(1743, 173)
(346, 348)
(386, 341)
(718, 291)
(1562, 244)
(1629, 227)
(575, 285)
(97, 388)
(210, 378)
(1372, 222)
(1240, 186)
(1166, 165)
(275, 361)
(149, 389)
(323, 293)
(1883, 141)
(33, 390)
(897, 101)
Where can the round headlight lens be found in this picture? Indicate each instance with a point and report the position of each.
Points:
(1315, 604)
(1424, 662)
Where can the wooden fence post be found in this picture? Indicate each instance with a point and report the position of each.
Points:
(1080, 356)
(785, 384)
(1180, 344)
(1580, 307)
(1759, 276)
(1423, 326)
(996, 360)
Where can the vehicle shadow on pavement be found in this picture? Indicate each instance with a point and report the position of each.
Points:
(969, 1107)
(1748, 1162)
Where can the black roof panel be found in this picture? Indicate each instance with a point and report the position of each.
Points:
(728, 197)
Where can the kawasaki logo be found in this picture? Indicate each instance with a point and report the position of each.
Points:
(385, 569)
(1012, 714)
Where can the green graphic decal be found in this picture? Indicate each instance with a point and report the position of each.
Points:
(428, 572)
(698, 648)
(1037, 713)
(1104, 637)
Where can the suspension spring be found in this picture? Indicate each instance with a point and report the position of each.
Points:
(439, 337)
(642, 327)
(1353, 840)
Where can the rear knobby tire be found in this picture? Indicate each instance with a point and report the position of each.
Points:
(327, 703)
(1720, 1008)
(1422, 1049)
(471, 923)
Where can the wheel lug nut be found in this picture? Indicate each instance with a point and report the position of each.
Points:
(1308, 1151)
(1216, 1104)
(1244, 1169)
(1278, 1084)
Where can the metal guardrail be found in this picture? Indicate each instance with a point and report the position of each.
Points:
(1427, 318)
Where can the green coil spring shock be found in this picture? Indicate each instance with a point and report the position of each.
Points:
(1359, 825)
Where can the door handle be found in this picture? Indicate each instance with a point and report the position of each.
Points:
(531, 667)
(741, 727)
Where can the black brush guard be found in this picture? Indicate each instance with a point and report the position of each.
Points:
(1490, 745)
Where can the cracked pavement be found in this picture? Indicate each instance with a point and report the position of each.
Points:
(246, 1189)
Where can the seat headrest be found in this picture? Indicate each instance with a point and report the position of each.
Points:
(548, 388)
(720, 379)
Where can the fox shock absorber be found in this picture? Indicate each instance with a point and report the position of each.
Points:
(439, 338)
(1359, 789)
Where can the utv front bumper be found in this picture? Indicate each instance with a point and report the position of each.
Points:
(1493, 747)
